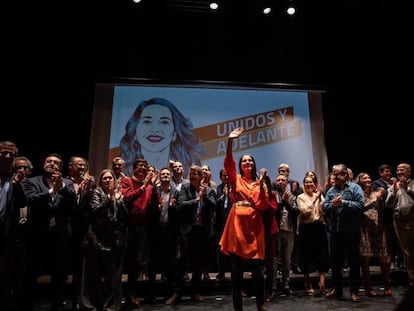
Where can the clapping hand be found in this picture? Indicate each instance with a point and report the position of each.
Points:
(207, 177)
(337, 201)
(225, 189)
(263, 173)
(18, 177)
(379, 193)
(117, 195)
(318, 191)
(202, 189)
(286, 195)
(86, 182)
(403, 182)
(57, 180)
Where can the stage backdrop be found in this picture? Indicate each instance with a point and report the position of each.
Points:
(283, 123)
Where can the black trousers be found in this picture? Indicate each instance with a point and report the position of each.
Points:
(257, 268)
(342, 244)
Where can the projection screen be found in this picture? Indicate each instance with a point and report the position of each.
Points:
(190, 122)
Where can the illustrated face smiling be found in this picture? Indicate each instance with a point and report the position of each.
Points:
(155, 130)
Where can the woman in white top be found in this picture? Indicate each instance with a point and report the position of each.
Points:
(313, 238)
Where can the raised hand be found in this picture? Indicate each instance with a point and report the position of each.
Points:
(236, 132)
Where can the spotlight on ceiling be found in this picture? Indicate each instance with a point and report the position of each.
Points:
(291, 8)
(214, 5)
(265, 6)
(267, 10)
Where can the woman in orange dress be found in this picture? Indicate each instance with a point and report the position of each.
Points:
(243, 235)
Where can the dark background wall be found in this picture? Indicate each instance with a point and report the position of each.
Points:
(359, 52)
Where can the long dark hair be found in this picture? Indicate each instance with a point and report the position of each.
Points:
(254, 174)
(186, 148)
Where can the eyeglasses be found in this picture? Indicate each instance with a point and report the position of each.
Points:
(22, 167)
(140, 165)
(339, 174)
(53, 161)
(6, 153)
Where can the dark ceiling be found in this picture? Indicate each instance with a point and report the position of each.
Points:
(360, 50)
(325, 43)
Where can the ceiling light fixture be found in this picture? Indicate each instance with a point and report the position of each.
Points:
(267, 10)
(291, 8)
(214, 5)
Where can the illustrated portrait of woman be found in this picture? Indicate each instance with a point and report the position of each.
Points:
(158, 132)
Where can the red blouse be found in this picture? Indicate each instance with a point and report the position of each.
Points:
(243, 233)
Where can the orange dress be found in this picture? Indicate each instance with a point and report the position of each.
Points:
(243, 234)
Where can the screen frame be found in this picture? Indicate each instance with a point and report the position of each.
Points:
(104, 97)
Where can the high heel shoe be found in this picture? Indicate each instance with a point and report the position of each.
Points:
(309, 290)
(370, 292)
(134, 302)
(334, 293)
(270, 297)
(322, 289)
(355, 297)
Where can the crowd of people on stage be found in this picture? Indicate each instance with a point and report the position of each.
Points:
(158, 224)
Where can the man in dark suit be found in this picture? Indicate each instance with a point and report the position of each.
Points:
(162, 233)
(51, 199)
(83, 183)
(196, 203)
(8, 218)
(224, 205)
(394, 248)
(295, 188)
